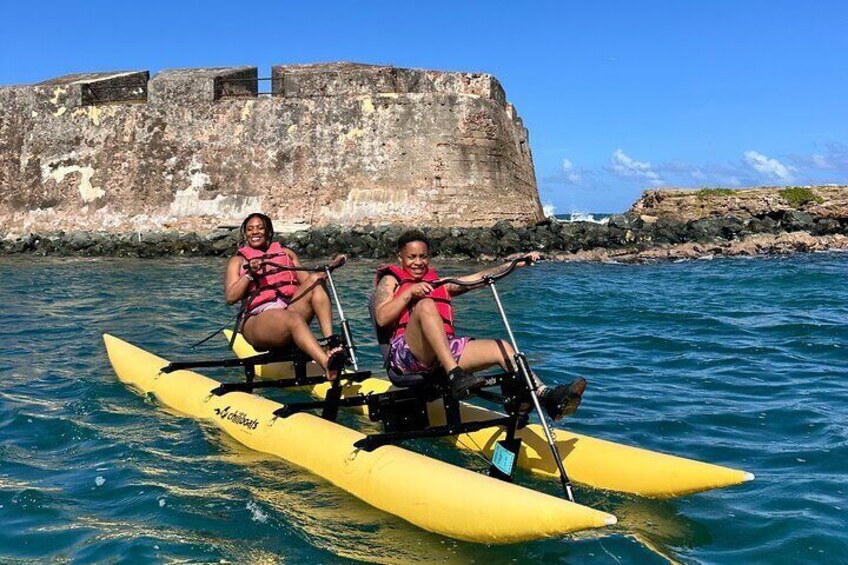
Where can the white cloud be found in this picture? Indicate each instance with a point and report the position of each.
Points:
(820, 161)
(569, 173)
(625, 166)
(769, 167)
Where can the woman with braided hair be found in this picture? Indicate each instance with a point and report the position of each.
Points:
(278, 304)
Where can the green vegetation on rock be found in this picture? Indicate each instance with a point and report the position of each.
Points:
(797, 196)
(705, 193)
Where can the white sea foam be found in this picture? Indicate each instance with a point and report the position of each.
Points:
(581, 216)
(256, 513)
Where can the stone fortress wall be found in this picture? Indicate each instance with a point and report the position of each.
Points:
(331, 144)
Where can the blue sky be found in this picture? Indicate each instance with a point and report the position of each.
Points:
(618, 96)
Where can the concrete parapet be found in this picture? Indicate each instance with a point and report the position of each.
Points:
(82, 89)
(332, 79)
(120, 88)
(191, 86)
(351, 79)
(237, 84)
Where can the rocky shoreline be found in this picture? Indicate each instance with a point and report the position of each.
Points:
(623, 238)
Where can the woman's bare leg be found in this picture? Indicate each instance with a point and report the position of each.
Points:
(274, 329)
(311, 300)
(426, 337)
(481, 354)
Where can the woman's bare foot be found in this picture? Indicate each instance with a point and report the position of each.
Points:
(335, 362)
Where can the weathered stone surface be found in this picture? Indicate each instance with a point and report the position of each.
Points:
(688, 205)
(339, 144)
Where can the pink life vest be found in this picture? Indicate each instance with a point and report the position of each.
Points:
(270, 283)
(440, 296)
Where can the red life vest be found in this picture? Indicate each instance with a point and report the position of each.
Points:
(440, 296)
(270, 283)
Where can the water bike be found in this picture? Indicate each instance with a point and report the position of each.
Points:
(403, 412)
(434, 495)
(431, 494)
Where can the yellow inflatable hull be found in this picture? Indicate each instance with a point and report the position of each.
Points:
(589, 461)
(431, 494)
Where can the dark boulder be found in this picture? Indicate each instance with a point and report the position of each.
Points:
(765, 224)
(827, 226)
(796, 220)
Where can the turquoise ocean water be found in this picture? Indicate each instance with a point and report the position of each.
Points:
(742, 363)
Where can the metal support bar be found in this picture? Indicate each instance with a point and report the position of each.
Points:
(295, 407)
(348, 339)
(250, 386)
(261, 359)
(524, 369)
(372, 442)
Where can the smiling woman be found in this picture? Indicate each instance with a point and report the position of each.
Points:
(278, 301)
(410, 302)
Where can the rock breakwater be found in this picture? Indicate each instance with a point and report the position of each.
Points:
(624, 238)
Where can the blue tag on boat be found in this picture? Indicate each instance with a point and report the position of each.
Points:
(503, 459)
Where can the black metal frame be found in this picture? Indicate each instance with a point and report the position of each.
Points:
(417, 425)
(299, 361)
(404, 415)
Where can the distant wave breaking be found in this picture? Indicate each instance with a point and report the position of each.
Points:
(580, 216)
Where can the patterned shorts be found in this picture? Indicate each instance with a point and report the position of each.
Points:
(402, 359)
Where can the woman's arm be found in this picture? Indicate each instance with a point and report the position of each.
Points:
(388, 307)
(235, 284)
(456, 290)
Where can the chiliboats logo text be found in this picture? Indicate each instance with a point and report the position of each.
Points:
(237, 417)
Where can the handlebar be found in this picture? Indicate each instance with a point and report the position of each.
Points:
(328, 268)
(487, 279)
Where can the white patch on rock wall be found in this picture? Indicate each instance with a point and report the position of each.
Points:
(367, 106)
(38, 217)
(187, 203)
(375, 206)
(351, 135)
(88, 192)
(245, 112)
(95, 113)
(57, 93)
